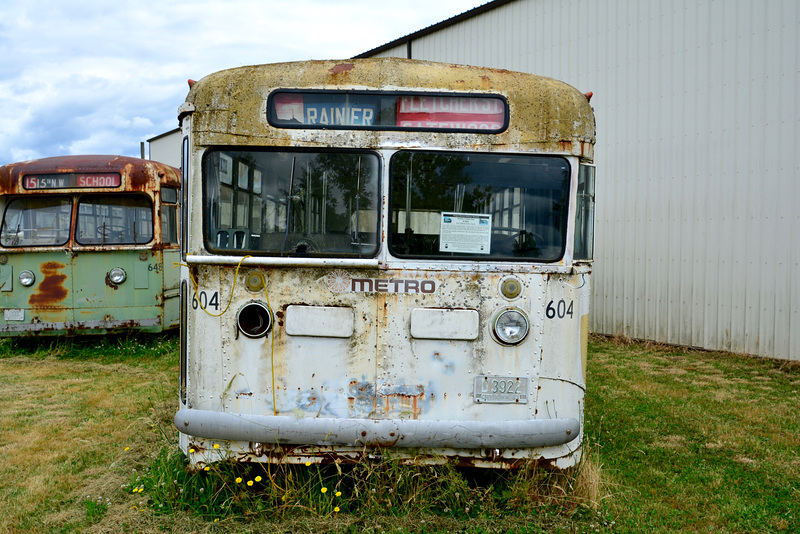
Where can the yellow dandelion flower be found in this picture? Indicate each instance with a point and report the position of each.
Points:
(206, 468)
(338, 493)
(238, 480)
(336, 509)
(127, 448)
(191, 451)
(249, 482)
(308, 463)
(324, 490)
(216, 445)
(216, 519)
(258, 479)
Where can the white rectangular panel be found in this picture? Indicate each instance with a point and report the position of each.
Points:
(319, 321)
(435, 323)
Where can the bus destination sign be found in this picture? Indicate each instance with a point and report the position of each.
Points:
(72, 180)
(376, 110)
(451, 112)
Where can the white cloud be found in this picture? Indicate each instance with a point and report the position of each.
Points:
(83, 76)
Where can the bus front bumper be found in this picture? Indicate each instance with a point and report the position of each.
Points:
(290, 430)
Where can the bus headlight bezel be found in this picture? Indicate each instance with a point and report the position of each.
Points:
(510, 326)
(27, 278)
(117, 275)
(254, 319)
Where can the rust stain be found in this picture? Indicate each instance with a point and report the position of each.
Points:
(138, 178)
(341, 67)
(297, 454)
(51, 290)
(109, 283)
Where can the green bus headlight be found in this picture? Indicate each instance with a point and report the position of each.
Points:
(27, 278)
(117, 275)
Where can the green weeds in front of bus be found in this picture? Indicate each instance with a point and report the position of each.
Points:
(230, 491)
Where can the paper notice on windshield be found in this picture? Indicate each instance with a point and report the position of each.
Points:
(469, 233)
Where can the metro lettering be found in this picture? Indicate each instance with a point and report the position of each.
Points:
(394, 285)
(361, 285)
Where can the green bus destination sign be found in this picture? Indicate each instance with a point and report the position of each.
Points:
(73, 180)
(375, 110)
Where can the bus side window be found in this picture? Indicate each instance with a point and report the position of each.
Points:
(169, 215)
(584, 214)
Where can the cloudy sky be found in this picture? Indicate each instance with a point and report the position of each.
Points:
(101, 76)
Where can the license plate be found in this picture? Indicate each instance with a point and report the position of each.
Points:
(501, 389)
(13, 314)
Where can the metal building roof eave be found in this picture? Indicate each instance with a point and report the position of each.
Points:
(435, 27)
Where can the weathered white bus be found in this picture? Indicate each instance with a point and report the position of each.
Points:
(385, 254)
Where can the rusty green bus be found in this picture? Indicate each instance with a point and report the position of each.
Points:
(385, 254)
(88, 246)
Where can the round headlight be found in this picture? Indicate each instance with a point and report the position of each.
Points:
(117, 275)
(510, 326)
(27, 278)
(254, 319)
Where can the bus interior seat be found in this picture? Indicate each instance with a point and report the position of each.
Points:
(232, 238)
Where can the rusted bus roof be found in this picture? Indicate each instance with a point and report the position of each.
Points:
(137, 173)
(546, 115)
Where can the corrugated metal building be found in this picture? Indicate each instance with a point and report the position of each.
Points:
(698, 189)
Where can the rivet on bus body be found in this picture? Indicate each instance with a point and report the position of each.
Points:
(143, 256)
(3, 259)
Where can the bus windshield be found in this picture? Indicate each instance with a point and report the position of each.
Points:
(291, 203)
(478, 206)
(114, 220)
(32, 221)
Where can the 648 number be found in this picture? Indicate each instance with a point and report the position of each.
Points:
(558, 309)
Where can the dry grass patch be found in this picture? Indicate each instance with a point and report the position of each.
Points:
(65, 422)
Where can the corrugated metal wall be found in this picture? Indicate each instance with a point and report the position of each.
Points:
(698, 215)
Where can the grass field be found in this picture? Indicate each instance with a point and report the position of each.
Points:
(676, 440)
